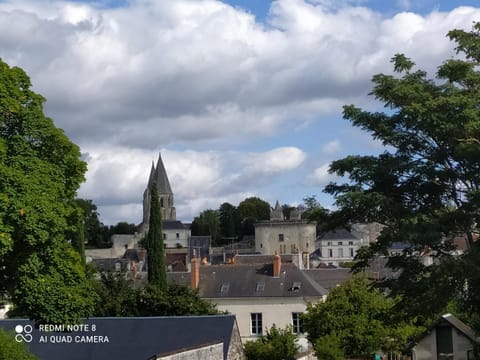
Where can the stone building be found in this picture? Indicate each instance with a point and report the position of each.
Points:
(285, 236)
(158, 177)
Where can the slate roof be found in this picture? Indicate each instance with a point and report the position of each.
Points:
(133, 338)
(460, 326)
(256, 280)
(337, 234)
(159, 176)
(173, 225)
(329, 278)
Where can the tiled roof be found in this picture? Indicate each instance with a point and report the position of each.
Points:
(173, 225)
(460, 326)
(329, 278)
(256, 280)
(132, 338)
(338, 234)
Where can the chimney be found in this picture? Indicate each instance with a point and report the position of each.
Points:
(195, 273)
(277, 264)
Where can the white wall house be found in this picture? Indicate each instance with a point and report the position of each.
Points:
(175, 234)
(260, 291)
(449, 338)
(336, 247)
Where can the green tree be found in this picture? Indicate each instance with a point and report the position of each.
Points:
(157, 272)
(176, 301)
(425, 186)
(228, 221)
(360, 318)
(328, 347)
(40, 172)
(250, 210)
(119, 297)
(276, 344)
(11, 349)
(93, 229)
(315, 212)
(207, 224)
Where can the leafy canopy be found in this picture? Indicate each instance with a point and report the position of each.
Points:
(276, 344)
(425, 186)
(355, 320)
(40, 172)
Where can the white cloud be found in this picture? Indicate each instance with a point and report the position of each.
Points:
(332, 147)
(118, 176)
(321, 176)
(205, 76)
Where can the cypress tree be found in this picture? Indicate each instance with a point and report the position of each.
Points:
(157, 274)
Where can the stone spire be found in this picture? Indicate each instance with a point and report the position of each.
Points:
(276, 214)
(158, 176)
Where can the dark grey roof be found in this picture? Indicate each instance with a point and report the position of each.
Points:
(338, 234)
(173, 225)
(179, 278)
(460, 326)
(256, 280)
(159, 176)
(261, 259)
(329, 278)
(132, 338)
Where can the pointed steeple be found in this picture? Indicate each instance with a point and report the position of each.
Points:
(158, 176)
(161, 178)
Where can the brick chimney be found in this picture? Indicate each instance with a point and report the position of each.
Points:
(195, 273)
(277, 264)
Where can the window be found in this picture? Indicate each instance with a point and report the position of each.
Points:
(352, 253)
(340, 243)
(296, 286)
(256, 322)
(164, 236)
(350, 243)
(283, 249)
(260, 286)
(329, 243)
(297, 323)
(330, 253)
(293, 248)
(340, 253)
(281, 238)
(224, 288)
(177, 235)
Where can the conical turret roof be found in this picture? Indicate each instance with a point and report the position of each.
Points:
(158, 175)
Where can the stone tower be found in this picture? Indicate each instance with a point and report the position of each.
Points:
(158, 176)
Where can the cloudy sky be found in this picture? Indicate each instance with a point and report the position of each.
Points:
(242, 97)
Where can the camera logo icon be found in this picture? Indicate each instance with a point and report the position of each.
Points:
(23, 333)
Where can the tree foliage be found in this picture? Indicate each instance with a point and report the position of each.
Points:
(425, 187)
(118, 297)
(40, 172)
(356, 320)
(251, 210)
(157, 272)
(11, 349)
(208, 224)
(276, 344)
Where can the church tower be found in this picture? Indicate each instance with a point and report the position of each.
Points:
(158, 176)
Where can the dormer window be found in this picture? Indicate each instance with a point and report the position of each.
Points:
(224, 289)
(296, 286)
(260, 286)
